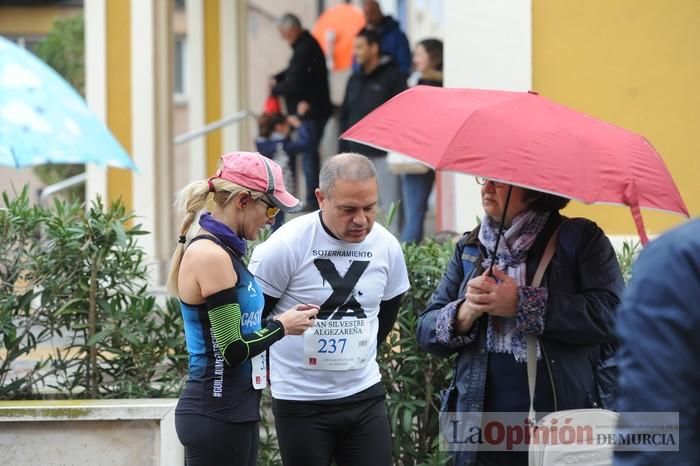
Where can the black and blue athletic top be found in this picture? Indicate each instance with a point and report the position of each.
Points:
(222, 335)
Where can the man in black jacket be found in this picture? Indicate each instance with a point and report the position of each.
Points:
(377, 80)
(305, 80)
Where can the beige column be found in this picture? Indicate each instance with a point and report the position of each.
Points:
(195, 72)
(151, 128)
(96, 84)
(233, 37)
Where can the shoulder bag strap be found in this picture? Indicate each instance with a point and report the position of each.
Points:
(532, 339)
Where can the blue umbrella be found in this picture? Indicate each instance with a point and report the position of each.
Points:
(44, 120)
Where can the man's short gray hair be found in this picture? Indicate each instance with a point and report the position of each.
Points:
(289, 21)
(347, 166)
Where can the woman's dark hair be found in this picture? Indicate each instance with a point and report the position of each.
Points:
(544, 202)
(267, 123)
(433, 47)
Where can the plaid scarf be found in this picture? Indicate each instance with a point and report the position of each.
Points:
(502, 335)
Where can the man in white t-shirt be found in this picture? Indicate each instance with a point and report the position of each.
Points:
(328, 398)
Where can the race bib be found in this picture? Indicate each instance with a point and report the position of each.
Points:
(337, 345)
(259, 372)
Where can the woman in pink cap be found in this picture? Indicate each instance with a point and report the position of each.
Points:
(218, 412)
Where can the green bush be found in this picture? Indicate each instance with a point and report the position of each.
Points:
(21, 329)
(413, 378)
(63, 49)
(77, 276)
(626, 257)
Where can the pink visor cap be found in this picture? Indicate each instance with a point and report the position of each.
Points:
(258, 173)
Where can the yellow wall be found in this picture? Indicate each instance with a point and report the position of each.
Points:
(119, 94)
(35, 21)
(634, 63)
(212, 81)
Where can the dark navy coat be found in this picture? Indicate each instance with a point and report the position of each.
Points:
(659, 328)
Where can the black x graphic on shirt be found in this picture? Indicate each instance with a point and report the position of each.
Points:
(341, 303)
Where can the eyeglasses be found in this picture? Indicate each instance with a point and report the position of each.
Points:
(272, 210)
(480, 180)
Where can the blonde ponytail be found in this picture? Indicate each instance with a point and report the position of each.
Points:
(192, 200)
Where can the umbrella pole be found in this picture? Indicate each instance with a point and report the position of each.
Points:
(501, 227)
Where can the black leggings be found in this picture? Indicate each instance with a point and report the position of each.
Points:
(209, 441)
(357, 435)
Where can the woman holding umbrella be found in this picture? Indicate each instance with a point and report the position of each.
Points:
(484, 309)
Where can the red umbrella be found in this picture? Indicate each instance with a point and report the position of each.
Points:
(524, 139)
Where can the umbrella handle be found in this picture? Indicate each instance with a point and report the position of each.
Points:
(639, 223)
(631, 198)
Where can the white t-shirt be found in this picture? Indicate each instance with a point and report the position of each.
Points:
(337, 357)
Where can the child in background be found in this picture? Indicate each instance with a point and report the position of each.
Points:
(281, 138)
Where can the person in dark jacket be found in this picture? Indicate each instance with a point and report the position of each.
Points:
(376, 81)
(658, 325)
(485, 320)
(305, 79)
(392, 39)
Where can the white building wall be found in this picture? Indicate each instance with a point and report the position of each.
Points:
(425, 20)
(488, 45)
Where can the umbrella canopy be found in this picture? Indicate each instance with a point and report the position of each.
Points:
(335, 31)
(524, 139)
(44, 120)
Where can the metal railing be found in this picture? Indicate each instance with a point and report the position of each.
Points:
(229, 120)
(61, 185)
(180, 139)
